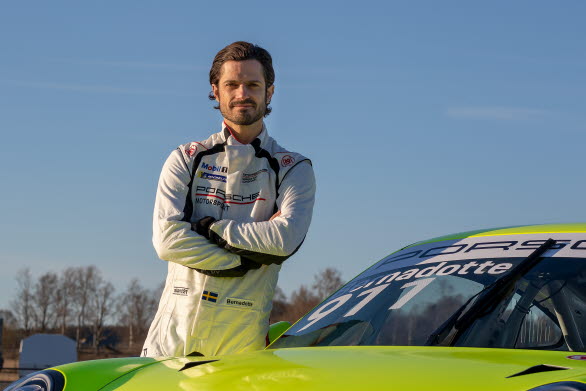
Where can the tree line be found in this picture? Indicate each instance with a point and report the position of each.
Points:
(80, 303)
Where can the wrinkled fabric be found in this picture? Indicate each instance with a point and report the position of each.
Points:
(241, 186)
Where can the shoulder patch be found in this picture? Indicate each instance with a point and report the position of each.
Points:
(287, 160)
(191, 149)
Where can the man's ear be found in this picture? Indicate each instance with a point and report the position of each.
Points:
(216, 92)
(270, 92)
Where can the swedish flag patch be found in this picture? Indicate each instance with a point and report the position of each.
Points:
(209, 296)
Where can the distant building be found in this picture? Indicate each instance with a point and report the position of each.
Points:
(42, 351)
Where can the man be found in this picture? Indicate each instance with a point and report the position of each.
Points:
(229, 210)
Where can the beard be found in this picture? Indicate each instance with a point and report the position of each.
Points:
(247, 117)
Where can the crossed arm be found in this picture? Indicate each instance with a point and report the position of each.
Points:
(209, 245)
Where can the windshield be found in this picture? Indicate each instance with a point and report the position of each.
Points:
(406, 297)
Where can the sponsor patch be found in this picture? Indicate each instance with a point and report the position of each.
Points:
(209, 167)
(180, 291)
(228, 198)
(240, 302)
(247, 178)
(208, 201)
(209, 296)
(192, 149)
(577, 357)
(287, 160)
(212, 177)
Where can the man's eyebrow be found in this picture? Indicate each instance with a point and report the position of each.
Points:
(242, 81)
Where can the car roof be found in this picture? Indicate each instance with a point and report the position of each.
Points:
(514, 230)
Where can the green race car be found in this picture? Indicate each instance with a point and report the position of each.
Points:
(501, 309)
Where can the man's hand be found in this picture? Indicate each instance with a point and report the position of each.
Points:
(202, 226)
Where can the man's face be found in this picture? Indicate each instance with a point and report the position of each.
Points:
(242, 92)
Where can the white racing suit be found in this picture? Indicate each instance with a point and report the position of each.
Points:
(241, 186)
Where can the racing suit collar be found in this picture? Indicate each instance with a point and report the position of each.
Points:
(230, 138)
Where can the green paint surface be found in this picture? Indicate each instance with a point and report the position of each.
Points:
(94, 374)
(515, 230)
(342, 368)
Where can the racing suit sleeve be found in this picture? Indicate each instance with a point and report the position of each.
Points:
(273, 241)
(173, 238)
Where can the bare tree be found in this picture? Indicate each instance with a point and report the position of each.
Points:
(327, 282)
(10, 320)
(43, 301)
(84, 288)
(64, 295)
(136, 308)
(22, 304)
(302, 300)
(280, 306)
(11, 335)
(101, 306)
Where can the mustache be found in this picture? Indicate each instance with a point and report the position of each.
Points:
(243, 102)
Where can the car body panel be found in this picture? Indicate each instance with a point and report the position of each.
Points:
(513, 230)
(94, 374)
(352, 368)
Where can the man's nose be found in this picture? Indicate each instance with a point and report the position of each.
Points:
(242, 91)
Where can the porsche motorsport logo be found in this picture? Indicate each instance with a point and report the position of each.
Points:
(228, 198)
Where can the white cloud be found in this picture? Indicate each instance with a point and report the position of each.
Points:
(494, 113)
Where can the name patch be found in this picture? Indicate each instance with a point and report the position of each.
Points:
(240, 302)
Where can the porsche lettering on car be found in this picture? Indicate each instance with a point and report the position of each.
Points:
(501, 309)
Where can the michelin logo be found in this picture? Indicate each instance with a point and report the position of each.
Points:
(208, 167)
(212, 177)
(240, 302)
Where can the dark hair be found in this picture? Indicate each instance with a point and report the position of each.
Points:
(241, 51)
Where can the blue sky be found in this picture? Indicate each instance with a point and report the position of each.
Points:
(422, 118)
